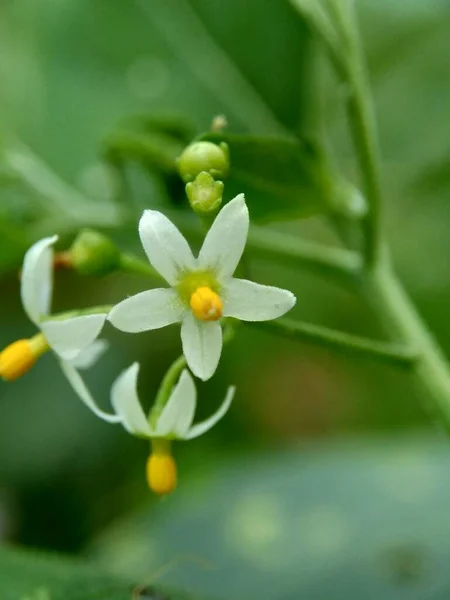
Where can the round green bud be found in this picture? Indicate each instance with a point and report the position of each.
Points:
(205, 194)
(93, 253)
(203, 156)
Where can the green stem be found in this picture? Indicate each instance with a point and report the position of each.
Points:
(335, 262)
(132, 264)
(431, 370)
(360, 114)
(339, 263)
(362, 120)
(387, 352)
(165, 389)
(55, 195)
(172, 375)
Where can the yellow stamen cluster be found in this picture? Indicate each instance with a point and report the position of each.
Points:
(18, 358)
(161, 472)
(206, 304)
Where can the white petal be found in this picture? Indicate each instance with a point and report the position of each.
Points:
(226, 239)
(90, 355)
(165, 246)
(81, 390)
(70, 336)
(205, 426)
(250, 301)
(125, 401)
(37, 278)
(151, 309)
(202, 345)
(178, 414)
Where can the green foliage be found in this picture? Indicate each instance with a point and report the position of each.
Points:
(354, 519)
(71, 70)
(31, 576)
(281, 177)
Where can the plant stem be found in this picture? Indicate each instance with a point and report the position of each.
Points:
(262, 242)
(165, 389)
(55, 195)
(397, 354)
(431, 370)
(362, 120)
(132, 264)
(335, 262)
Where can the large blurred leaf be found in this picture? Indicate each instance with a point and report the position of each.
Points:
(30, 576)
(361, 519)
(283, 178)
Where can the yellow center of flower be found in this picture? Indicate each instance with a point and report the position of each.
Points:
(17, 358)
(206, 304)
(161, 470)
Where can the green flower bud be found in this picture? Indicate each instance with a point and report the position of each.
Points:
(205, 194)
(203, 156)
(93, 253)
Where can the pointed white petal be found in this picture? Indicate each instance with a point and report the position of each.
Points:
(90, 355)
(70, 336)
(205, 426)
(250, 301)
(165, 246)
(202, 345)
(83, 393)
(151, 309)
(225, 241)
(125, 401)
(178, 414)
(37, 278)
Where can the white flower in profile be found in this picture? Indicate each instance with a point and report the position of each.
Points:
(175, 420)
(203, 289)
(173, 423)
(73, 339)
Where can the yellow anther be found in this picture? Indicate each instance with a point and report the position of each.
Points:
(206, 304)
(17, 358)
(161, 473)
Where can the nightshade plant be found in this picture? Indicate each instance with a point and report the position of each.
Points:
(204, 295)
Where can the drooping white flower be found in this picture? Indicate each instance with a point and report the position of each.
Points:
(73, 340)
(175, 420)
(203, 289)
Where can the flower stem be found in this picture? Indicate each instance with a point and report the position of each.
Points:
(329, 262)
(172, 375)
(388, 352)
(132, 264)
(431, 369)
(165, 389)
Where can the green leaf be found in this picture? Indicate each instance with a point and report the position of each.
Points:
(356, 518)
(281, 177)
(26, 575)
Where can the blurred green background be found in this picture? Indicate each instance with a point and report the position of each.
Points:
(326, 480)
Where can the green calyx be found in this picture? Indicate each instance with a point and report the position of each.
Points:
(205, 194)
(192, 281)
(93, 253)
(204, 156)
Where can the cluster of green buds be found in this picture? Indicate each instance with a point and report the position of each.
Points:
(201, 294)
(202, 166)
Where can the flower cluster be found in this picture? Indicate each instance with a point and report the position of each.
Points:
(202, 294)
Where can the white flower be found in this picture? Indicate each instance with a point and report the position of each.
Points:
(73, 340)
(202, 289)
(175, 420)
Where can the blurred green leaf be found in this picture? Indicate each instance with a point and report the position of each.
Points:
(282, 178)
(362, 518)
(31, 576)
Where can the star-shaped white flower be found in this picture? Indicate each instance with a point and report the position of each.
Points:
(73, 340)
(203, 289)
(175, 420)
